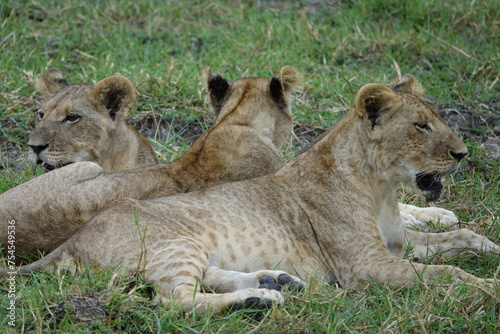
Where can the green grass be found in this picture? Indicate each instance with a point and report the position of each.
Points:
(162, 46)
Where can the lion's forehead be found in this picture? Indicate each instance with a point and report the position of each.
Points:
(71, 98)
(251, 85)
(251, 80)
(419, 108)
(253, 95)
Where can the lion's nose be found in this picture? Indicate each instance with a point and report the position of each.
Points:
(458, 155)
(38, 148)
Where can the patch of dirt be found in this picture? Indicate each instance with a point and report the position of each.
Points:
(470, 124)
(82, 308)
(166, 130)
(479, 125)
(492, 147)
(304, 134)
(11, 156)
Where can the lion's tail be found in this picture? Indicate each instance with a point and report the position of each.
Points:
(39, 265)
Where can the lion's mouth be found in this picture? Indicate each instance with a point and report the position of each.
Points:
(48, 168)
(428, 182)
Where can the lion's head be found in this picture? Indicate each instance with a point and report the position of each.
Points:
(411, 141)
(86, 122)
(263, 104)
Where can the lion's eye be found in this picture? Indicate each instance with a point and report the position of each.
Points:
(423, 126)
(71, 118)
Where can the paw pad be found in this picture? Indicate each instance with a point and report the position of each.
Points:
(254, 304)
(284, 280)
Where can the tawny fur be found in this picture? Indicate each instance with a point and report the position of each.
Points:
(332, 211)
(253, 121)
(87, 122)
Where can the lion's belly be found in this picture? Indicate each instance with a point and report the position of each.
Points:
(244, 232)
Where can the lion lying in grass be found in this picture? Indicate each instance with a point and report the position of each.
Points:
(331, 211)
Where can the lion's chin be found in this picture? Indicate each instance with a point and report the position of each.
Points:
(430, 185)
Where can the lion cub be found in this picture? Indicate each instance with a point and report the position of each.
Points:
(86, 122)
(333, 208)
(253, 121)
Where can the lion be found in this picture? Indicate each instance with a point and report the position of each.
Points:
(331, 212)
(254, 119)
(86, 122)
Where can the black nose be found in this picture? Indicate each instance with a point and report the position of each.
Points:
(38, 148)
(458, 155)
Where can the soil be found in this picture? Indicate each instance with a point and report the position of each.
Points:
(467, 123)
(483, 127)
(162, 129)
(86, 308)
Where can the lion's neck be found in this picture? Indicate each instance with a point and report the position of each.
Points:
(124, 147)
(342, 185)
(346, 151)
(343, 164)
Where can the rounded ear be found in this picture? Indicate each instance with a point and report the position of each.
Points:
(50, 83)
(116, 94)
(288, 81)
(408, 84)
(217, 88)
(373, 100)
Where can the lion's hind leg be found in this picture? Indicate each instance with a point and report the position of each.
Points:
(182, 276)
(219, 280)
(201, 302)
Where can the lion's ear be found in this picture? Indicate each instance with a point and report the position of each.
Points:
(50, 83)
(287, 82)
(373, 100)
(408, 84)
(217, 88)
(116, 94)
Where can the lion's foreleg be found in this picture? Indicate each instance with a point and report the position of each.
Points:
(398, 272)
(447, 244)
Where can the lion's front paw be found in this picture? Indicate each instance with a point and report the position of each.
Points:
(438, 216)
(409, 219)
(413, 215)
